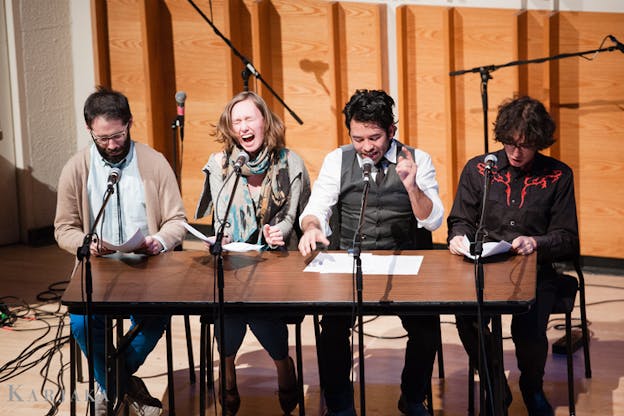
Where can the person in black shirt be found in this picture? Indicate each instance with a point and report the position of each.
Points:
(531, 205)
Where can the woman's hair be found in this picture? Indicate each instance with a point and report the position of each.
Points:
(524, 119)
(274, 129)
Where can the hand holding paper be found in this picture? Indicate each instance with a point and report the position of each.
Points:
(236, 246)
(489, 249)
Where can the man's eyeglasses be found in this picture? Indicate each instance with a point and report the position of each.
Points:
(103, 140)
(519, 146)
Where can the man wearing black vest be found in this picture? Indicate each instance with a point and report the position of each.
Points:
(402, 203)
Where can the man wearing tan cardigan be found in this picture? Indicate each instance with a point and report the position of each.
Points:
(145, 198)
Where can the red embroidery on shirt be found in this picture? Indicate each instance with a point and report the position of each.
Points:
(541, 181)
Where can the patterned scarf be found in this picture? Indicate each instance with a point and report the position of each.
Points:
(246, 215)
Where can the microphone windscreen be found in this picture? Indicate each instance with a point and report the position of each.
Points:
(180, 97)
(491, 159)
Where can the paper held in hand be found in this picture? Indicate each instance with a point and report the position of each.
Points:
(491, 248)
(131, 245)
(236, 246)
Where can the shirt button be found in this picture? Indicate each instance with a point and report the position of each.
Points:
(512, 223)
(513, 201)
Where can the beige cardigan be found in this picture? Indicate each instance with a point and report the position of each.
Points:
(163, 203)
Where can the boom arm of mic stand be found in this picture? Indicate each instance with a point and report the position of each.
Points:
(487, 69)
(246, 63)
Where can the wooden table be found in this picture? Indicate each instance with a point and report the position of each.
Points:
(182, 282)
(273, 282)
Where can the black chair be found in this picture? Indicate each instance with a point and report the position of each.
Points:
(566, 298)
(205, 360)
(76, 372)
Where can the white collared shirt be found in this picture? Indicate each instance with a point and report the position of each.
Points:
(125, 211)
(326, 188)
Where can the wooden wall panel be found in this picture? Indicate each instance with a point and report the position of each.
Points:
(482, 37)
(126, 61)
(205, 70)
(315, 53)
(591, 128)
(423, 86)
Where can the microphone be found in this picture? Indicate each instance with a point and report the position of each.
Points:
(241, 160)
(113, 177)
(367, 167)
(180, 97)
(490, 160)
(618, 44)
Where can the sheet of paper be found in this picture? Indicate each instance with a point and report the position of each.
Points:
(132, 244)
(199, 234)
(489, 249)
(236, 247)
(371, 264)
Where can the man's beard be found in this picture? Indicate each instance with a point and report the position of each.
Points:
(114, 159)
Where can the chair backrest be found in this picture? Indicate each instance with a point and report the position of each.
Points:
(568, 286)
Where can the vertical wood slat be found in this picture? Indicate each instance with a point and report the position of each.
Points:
(101, 52)
(521, 47)
(159, 74)
(263, 49)
(337, 70)
(450, 103)
(552, 81)
(402, 26)
(238, 27)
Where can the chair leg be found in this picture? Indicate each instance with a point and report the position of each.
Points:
(189, 348)
(568, 319)
(202, 369)
(299, 353)
(74, 360)
(430, 398)
(205, 363)
(588, 372)
(170, 381)
(471, 386)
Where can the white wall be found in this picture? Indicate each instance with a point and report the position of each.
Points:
(50, 70)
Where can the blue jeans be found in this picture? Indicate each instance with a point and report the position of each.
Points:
(134, 355)
(272, 333)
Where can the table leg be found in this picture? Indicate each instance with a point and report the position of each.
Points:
(499, 368)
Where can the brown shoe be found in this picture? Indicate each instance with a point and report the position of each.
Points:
(232, 401)
(289, 396)
(140, 400)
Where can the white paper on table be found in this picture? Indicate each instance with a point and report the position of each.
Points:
(235, 247)
(371, 264)
(491, 248)
(132, 244)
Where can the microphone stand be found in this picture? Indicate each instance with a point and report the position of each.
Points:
(486, 70)
(355, 252)
(476, 249)
(249, 68)
(83, 254)
(217, 251)
(175, 124)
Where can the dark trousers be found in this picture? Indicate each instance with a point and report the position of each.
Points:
(335, 358)
(528, 331)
